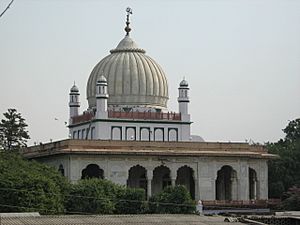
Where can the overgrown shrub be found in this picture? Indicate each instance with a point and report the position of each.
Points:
(172, 200)
(131, 201)
(96, 196)
(30, 186)
(100, 196)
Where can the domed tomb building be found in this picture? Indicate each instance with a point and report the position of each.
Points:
(127, 135)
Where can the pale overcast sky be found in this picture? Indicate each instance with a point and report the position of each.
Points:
(240, 57)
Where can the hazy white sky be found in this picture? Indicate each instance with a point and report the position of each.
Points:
(241, 58)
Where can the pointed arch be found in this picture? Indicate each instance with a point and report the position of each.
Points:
(185, 176)
(92, 171)
(253, 184)
(137, 177)
(225, 183)
(161, 178)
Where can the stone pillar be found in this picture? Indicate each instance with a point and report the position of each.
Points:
(74, 170)
(243, 182)
(262, 191)
(234, 188)
(149, 183)
(196, 189)
(173, 182)
(173, 176)
(213, 190)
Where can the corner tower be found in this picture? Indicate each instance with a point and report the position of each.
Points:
(74, 103)
(184, 100)
(101, 98)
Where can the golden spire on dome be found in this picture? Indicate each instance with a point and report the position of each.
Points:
(127, 28)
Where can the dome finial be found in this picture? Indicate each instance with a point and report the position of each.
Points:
(127, 28)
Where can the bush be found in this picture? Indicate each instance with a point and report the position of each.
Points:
(93, 196)
(30, 186)
(100, 196)
(172, 200)
(291, 199)
(131, 201)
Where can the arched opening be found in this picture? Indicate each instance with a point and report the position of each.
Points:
(137, 178)
(158, 134)
(61, 169)
(145, 134)
(116, 133)
(92, 171)
(130, 134)
(252, 184)
(185, 177)
(161, 179)
(173, 135)
(226, 183)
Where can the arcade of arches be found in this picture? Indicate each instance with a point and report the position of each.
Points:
(227, 184)
(155, 180)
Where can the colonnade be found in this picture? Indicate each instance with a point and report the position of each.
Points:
(225, 183)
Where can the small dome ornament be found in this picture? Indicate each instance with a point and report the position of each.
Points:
(127, 28)
(102, 79)
(184, 83)
(74, 88)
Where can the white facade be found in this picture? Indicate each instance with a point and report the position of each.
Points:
(200, 174)
(127, 136)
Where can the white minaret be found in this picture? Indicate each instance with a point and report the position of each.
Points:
(74, 103)
(183, 100)
(101, 98)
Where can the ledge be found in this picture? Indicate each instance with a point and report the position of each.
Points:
(144, 148)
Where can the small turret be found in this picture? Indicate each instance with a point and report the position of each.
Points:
(74, 103)
(101, 98)
(183, 100)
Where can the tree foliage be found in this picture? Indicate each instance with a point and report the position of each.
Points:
(13, 134)
(27, 186)
(291, 199)
(172, 200)
(284, 172)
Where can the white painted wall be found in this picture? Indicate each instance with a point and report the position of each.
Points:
(205, 169)
(120, 130)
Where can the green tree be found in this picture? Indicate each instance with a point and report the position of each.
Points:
(292, 130)
(13, 134)
(172, 200)
(284, 172)
(27, 186)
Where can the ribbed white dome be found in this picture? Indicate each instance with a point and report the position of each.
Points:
(133, 78)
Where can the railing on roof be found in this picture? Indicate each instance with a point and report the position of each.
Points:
(145, 115)
(87, 116)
